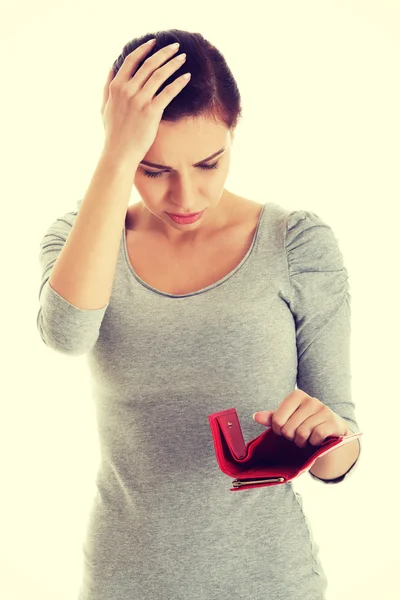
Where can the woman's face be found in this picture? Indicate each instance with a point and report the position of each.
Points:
(184, 188)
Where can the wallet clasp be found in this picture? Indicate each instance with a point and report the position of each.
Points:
(238, 483)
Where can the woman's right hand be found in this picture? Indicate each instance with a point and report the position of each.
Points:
(131, 115)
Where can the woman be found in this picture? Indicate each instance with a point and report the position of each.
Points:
(183, 317)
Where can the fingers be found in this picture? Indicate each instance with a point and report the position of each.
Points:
(124, 72)
(130, 63)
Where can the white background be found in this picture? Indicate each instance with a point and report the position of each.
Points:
(320, 132)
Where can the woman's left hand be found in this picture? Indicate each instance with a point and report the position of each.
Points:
(303, 419)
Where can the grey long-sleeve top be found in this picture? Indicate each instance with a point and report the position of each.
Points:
(164, 523)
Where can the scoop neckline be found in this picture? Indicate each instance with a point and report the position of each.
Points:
(203, 290)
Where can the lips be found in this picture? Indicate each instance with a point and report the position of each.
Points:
(183, 215)
(186, 220)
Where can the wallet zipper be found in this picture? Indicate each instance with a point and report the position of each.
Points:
(239, 483)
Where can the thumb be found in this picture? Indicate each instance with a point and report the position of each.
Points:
(264, 417)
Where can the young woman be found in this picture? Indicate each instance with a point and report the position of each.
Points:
(181, 316)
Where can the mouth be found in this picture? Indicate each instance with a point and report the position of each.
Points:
(184, 216)
(186, 219)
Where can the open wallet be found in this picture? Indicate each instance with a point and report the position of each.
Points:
(268, 459)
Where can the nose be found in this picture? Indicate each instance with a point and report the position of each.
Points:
(183, 195)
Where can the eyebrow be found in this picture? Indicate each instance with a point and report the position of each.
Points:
(150, 164)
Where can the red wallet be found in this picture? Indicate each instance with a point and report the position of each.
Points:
(268, 459)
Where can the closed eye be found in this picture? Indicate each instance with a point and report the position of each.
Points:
(158, 173)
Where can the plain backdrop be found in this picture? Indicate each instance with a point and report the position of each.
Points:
(320, 132)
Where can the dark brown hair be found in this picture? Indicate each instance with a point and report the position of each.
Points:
(211, 92)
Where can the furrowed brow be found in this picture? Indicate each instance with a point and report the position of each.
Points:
(166, 167)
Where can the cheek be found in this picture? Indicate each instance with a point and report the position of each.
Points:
(146, 187)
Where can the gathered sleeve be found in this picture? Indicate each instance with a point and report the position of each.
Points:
(320, 304)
